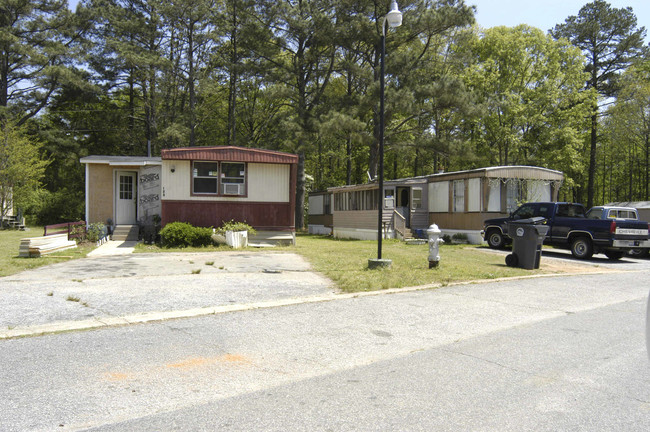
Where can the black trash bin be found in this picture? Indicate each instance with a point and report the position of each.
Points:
(527, 238)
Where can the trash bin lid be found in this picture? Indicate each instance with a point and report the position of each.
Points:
(537, 220)
(542, 229)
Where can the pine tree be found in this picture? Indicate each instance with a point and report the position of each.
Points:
(610, 39)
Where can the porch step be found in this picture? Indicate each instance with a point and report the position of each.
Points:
(126, 233)
(408, 234)
(13, 223)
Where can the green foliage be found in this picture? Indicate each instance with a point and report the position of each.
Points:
(21, 167)
(236, 226)
(78, 233)
(181, 234)
(610, 39)
(96, 231)
(304, 77)
(46, 208)
(531, 90)
(37, 39)
(625, 155)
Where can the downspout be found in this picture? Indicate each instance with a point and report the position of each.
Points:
(86, 198)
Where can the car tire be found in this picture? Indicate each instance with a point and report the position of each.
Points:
(495, 239)
(582, 248)
(614, 255)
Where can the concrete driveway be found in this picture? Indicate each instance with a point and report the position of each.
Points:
(109, 290)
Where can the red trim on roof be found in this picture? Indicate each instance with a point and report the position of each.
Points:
(230, 154)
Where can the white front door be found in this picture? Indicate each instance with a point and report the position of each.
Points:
(125, 198)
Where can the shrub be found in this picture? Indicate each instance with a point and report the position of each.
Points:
(45, 208)
(182, 234)
(78, 233)
(96, 231)
(236, 226)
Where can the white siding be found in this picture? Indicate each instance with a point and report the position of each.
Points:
(176, 185)
(494, 199)
(439, 197)
(266, 183)
(474, 201)
(316, 205)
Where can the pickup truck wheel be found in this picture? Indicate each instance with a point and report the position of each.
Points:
(495, 239)
(614, 255)
(581, 248)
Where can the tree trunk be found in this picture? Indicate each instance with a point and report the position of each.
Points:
(348, 151)
(647, 166)
(232, 90)
(592, 159)
(190, 79)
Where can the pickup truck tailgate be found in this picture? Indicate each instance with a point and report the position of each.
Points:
(631, 233)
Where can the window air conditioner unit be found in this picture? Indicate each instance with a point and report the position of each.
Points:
(232, 188)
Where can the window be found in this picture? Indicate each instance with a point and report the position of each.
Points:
(416, 198)
(206, 175)
(389, 198)
(233, 178)
(355, 200)
(515, 194)
(459, 196)
(327, 206)
(570, 210)
(126, 187)
(524, 212)
(594, 214)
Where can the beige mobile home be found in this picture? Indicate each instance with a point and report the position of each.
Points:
(460, 201)
(404, 209)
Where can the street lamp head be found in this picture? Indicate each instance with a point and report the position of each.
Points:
(394, 17)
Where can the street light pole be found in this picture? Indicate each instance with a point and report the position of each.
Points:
(394, 19)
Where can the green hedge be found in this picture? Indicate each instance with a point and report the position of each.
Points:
(181, 234)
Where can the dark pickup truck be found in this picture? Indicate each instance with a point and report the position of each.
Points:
(571, 229)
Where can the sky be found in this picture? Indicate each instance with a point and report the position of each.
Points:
(545, 14)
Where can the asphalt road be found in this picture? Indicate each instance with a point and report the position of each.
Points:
(557, 353)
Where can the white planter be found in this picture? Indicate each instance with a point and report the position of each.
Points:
(237, 239)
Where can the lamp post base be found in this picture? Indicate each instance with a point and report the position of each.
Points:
(375, 263)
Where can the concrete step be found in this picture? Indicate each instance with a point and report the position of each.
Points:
(125, 233)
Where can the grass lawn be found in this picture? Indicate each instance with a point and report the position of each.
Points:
(346, 262)
(11, 263)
